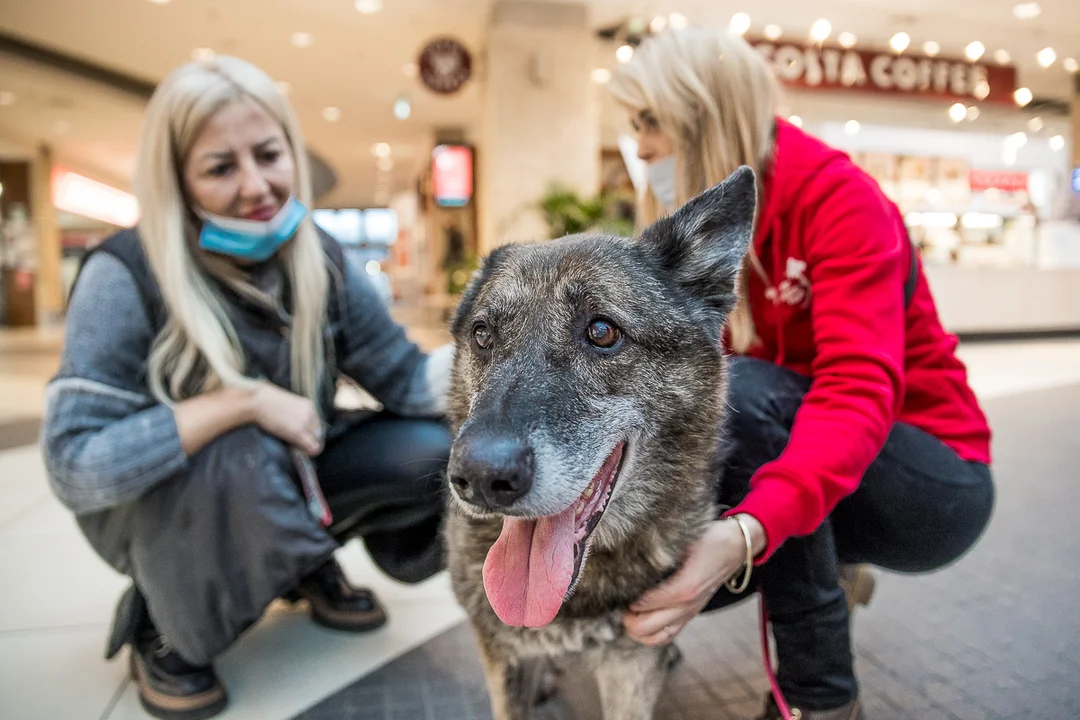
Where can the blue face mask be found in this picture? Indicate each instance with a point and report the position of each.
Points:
(254, 240)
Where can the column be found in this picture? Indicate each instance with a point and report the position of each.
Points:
(540, 119)
(49, 285)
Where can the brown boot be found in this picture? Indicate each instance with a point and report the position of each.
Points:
(857, 582)
(338, 605)
(851, 711)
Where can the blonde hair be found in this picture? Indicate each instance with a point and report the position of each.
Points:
(198, 350)
(716, 98)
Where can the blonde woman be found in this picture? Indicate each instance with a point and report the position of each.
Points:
(191, 427)
(854, 435)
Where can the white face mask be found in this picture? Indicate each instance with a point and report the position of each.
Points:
(662, 181)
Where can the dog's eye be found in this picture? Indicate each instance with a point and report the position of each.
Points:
(482, 336)
(603, 334)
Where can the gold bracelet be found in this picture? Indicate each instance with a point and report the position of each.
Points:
(748, 565)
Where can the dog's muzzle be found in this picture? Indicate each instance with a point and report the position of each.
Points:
(491, 470)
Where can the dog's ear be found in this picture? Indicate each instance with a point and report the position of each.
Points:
(703, 243)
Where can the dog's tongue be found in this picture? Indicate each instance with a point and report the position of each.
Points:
(529, 568)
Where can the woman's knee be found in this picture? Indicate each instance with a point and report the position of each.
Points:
(762, 392)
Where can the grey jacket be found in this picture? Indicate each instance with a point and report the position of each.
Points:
(209, 540)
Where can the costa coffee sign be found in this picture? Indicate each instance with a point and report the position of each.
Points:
(810, 66)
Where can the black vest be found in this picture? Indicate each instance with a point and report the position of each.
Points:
(263, 332)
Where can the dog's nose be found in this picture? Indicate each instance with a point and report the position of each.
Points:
(491, 471)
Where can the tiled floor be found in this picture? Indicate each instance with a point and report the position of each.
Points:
(58, 597)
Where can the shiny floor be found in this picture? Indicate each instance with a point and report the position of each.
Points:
(58, 597)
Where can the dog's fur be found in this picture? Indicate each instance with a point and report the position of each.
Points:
(542, 385)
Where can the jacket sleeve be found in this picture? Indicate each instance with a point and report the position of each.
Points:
(379, 356)
(855, 256)
(106, 441)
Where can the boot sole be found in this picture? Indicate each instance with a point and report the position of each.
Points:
(169, 707)
(349, 622)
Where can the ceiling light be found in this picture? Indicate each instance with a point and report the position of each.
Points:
(658, 24)
(368, 7)
(331, 114)
(410, 69)
(982, 90)
(820, 30)
(958, 112)
(624, 53)
(1017, 139)
(796, 121)
(974, 51)
(677, 21)
(402, 108)
(1057, 143)
(847, 40)
(1002, 57)
(1023, 96)
(931, 48)
(852, 127)
(1070, 65)
(900, 41)
(380, 150)
(160, 2)
(202, 54)
(773, 32)
(385, 164)
(1035, 124)
(1027, 11)
(972, 113)
(600, 76)
(740, 23)
(7, 98)
(1046, 57)
(283, 87)
(301, 39)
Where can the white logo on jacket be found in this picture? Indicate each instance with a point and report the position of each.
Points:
(794, 289)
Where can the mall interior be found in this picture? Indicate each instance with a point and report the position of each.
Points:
(439, 130)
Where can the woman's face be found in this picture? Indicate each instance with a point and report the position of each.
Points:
(653, 143)
(241, 165)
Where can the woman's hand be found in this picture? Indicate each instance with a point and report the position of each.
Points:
(662, 612)
(290, 417)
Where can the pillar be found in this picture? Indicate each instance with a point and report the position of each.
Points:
(49, 281)
(540, 119)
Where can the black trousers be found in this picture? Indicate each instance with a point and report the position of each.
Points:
(383, 479)
(919, 507)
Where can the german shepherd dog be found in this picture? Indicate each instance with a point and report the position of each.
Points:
(587, 397)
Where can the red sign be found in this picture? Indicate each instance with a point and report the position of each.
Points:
(452, 175)
(445, 65)
(1004, 180)
(827, 68)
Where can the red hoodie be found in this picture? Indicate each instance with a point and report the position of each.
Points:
(836, 254)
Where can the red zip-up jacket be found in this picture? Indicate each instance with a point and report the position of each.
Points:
(836, 254)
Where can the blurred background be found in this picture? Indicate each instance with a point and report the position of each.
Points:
(440, 129)
(443, 128)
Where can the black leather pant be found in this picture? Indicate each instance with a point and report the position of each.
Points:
(383, 479)
(919, 507)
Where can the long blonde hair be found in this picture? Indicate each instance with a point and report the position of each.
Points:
(198, 349)
(716, 99)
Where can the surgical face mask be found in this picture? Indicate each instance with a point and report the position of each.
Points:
(254, 240)
(662, 181)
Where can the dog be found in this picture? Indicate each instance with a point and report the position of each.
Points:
(586, 401)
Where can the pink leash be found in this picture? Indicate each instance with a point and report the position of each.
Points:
(766, 655)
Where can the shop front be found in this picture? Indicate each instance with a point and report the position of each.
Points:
(983, 182)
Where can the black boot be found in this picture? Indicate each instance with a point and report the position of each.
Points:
(338, 605)
(169, 686)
